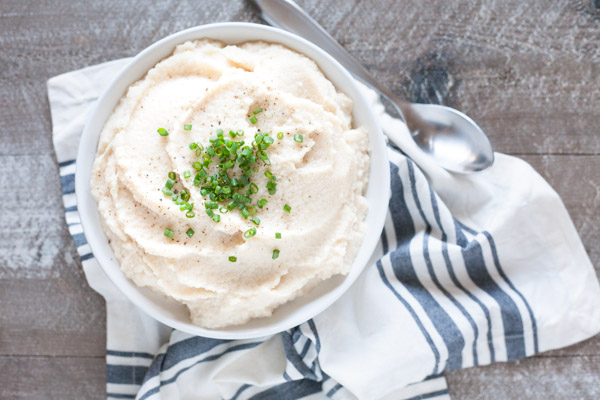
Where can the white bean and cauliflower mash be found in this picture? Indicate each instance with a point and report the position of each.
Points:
(230, 179)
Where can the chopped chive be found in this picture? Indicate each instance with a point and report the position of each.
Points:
(250, 232)
(298, 138)
(189, 232)
(169, 233)
(252, 119)
(232, 259)
(261, 203)
(258, 110)
(275, 254)
(162, 132)
(187, 127)
(193, 146)
(256, 220)
(172, 175)
(216, 217)
(280, 135)
(190, 214)
(277, 235)
(245, 213)
(211, 205)
(169, 183)
(167, 191)
(187, 173)
(287, 208)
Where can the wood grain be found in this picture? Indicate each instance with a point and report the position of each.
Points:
(51, 378)
(527, 71)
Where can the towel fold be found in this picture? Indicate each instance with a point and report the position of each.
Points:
(469, 270)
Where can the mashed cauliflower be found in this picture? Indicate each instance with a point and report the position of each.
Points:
(210, 86)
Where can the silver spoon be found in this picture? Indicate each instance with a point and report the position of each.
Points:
(452, 139)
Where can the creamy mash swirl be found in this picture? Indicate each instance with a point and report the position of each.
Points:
(211, 85)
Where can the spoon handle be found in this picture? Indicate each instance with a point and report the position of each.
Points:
(286, 14)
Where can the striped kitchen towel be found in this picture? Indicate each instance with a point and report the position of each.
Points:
(469, 270)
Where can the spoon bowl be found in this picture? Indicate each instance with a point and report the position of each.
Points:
(452, 139)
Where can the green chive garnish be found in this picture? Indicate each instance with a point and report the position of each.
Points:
(189, 232)
(280, 135)
(221, 190)
(187, 127)
(250, 232)
(252, 119)
(287, 208)
(169, 233)
(232, 259)
(275, 254)
(277, 235)
(298, 138)
(258, 110)
(261, 203)
(162, 132)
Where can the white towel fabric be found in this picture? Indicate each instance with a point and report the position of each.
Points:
(469, 270)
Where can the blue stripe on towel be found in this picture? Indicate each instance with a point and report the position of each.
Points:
(510, 284)
(511, 317)
(189, 348)
(120, 396)
(129, 354)
(462, 242)
(79, 239)
(65, 163)
(240, 391)
(86, 257)
(412, 312)
(404, 270)
(445, 325)
(67, 183)
(313, 328)
(294, 358)
(333, 390)
(125, 374)
(456, 282)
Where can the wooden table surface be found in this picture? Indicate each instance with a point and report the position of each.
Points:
(528, 71)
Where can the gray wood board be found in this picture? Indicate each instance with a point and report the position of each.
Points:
(527, 71)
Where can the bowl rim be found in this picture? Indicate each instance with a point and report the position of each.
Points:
(90, 217)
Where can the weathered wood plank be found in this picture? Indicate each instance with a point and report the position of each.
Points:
(47, 306)
(538, 378)
(52, 378)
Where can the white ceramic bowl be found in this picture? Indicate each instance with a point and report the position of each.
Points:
(294, 312)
